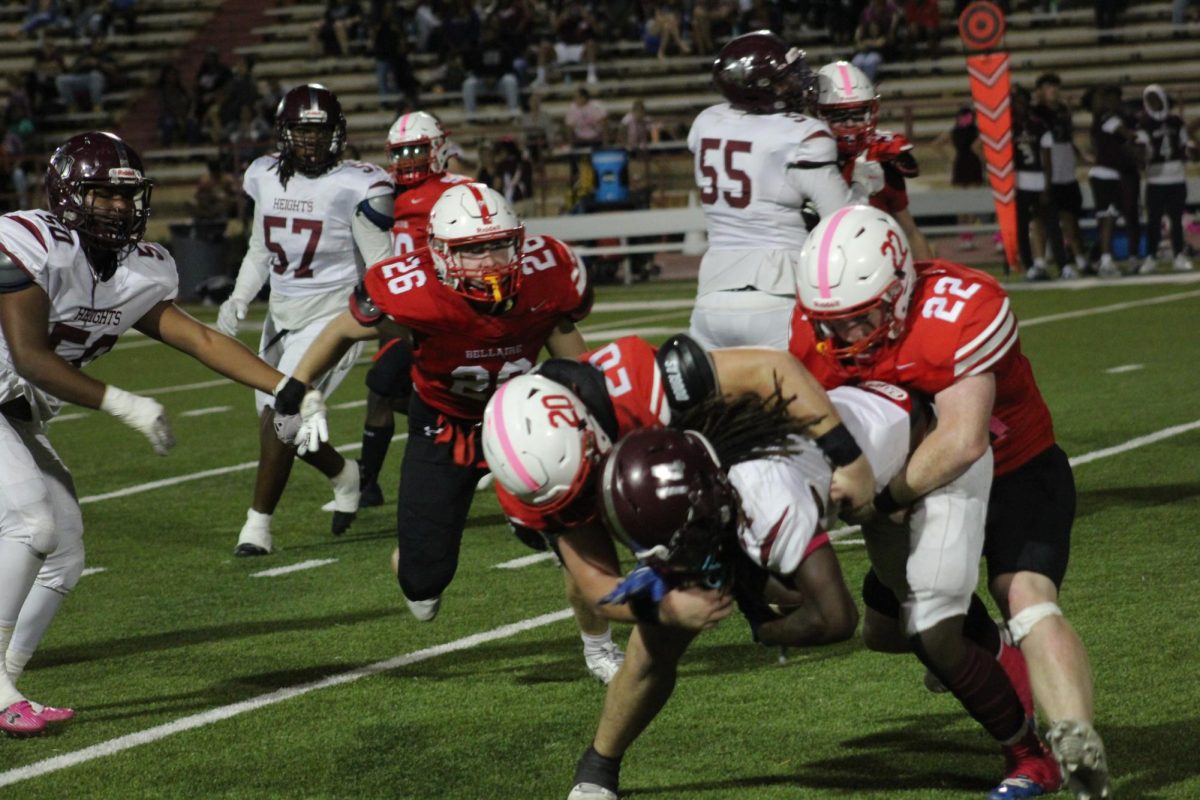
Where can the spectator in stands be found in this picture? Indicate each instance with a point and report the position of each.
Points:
(270, 93)
(761, 16)
(175, 108)
(214, 202)
(19, 120)
(842, 17)
(514, 19)
(574, 42)
(966, 171)
(1058, 147)
(489, 67)
(1163, 148)
(875, 38)
(44, 14)
(511, 174)
(662, 30)
(94, 71)
(249, 137)
(461, 27)
(1114, 177)
(211, 77)
(1179, 18)
(341, 23)
(389, 46)
(587, 120)
(42, 81)
(240, 92)
(1106, 19)
(539, 132)
(922, 26)
(711, 19)
(428, 22)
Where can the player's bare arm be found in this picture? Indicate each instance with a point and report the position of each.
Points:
(25, 316)
(330, 345)
(825, 611)
(566, 341)
(758, 370)
(171, 325)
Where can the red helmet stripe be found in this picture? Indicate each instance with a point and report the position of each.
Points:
(823, 253)
(483, 209)
(497, 422)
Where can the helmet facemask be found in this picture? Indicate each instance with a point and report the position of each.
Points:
(852, 124)
(875, 323)
(411, 162)
(314, 147)
(484, 269)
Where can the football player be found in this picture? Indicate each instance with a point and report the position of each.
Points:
(543, 436)
(1114, 178)
(1164, 144)
(72, 280)
(847, 101)
(317, 221)
(867, 312)
(759, 159)
(417, 154)
(480, 302)
(1037, 219)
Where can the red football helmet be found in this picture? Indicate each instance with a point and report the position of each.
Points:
(664, 495)
(758, 73)
(311, 130)
(94, 164)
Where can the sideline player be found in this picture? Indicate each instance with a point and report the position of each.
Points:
(759, 159)
(865, 312)
(417, 155)
(848, 103)
(1163, 146)
(317, 221)
(72, 280)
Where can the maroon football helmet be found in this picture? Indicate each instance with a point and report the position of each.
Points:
(92, 164)
(665, 496)
(758, 73)
(311, 130)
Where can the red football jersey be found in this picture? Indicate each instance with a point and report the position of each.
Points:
(635, 385)
(410, 230)
(460, 355)
(894, 153)
(959, 324)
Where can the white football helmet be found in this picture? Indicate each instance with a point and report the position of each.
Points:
(856, 279)
(846, 99)
(416, 148)
(542, 444)
(476, 240)
(1155, 102)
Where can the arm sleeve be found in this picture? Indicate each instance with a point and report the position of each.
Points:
(374, 245)
(814, 174)
(253, 272)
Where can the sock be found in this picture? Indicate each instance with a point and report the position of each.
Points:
(1039, 263)
(375, 443)
(19, 565)
(987, 694)
(1081, 262)
(15, 661)
(598, 769)
(41, 605)
(980, 628)
(258, 519)
(596, 644)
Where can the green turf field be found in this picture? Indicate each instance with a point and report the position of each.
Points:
(195, 678)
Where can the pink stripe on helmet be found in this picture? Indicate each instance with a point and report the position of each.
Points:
(404, 124)
(823, 253)
(506, 445)
(847, 86)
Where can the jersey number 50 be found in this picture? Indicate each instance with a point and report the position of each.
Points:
(708, 185)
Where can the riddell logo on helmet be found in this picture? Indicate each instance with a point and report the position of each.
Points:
(827, 302)
(124, 174)
(313, 115)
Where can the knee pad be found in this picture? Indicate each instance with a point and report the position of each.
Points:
(1021, 624)
(38, 524)
(62, 568)
(878, 597)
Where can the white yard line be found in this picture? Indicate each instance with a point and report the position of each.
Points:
(203, 412)
(310, 564)
(121, 743)
(1091, 312)
(1124, 368)
(92, 571)
(1133, 444)
(349, 404)
(68, 417)
(525, 561)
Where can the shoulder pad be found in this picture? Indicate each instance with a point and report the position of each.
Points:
(688, 373)
(379, 210)
(587, 383)
(363, 307)
(13, 276)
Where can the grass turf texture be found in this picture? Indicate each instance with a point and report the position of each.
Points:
(176, 626)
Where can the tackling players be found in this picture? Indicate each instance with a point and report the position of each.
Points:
(72, 280)
(317, 221)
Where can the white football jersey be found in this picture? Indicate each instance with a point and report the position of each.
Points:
(86, 314)
(784, 499)
(307, 225)
(755, 171)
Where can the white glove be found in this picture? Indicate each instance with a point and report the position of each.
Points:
(868, 173)
(314, 428)
(231, 312)
(142, 414)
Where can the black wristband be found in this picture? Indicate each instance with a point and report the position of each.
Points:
(885, 502)
(287, 399)
(645, 610)
(839, 446)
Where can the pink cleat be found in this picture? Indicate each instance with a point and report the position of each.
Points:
(51, 715)
(20, 719)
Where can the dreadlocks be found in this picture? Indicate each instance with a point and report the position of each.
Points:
(747, 427)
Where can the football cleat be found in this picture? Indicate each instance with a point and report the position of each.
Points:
(1012, 661)
(51, 715)
(1080, 753)
(604, 663)
(370, 496)
(1030, 768)
(346, 496)
(934, 684)
(591, 791)
(1068, 273)
(254, 540)
(1182, 263)
(19, 719)
(424, 610)
(1108, 268)
(1037, 273)
(1149, 266)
